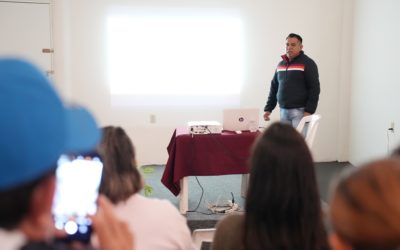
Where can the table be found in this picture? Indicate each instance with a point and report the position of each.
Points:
(202, 155)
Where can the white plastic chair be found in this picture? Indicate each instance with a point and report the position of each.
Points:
(202, 235)
(311, 129)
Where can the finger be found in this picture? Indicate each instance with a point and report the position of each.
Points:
(59, 233)
(100, 222)
(112, 233)
(108, 213)
(125, 234)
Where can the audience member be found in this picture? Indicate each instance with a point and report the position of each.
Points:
(156, 224)
(365, 212)
(35, 128)
(282, 208)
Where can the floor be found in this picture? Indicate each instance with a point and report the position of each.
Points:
(208, 190)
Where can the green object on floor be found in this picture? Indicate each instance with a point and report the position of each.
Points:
(148, 170)
(148, 190)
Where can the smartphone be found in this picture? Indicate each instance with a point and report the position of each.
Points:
(78, 180)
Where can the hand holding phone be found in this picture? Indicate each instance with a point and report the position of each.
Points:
(112, 234)
(78, 181)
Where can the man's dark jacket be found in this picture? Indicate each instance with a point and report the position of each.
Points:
(295, 84)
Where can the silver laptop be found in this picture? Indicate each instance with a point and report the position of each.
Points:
(241, 119)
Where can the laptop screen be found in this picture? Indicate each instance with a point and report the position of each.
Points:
(241, 119)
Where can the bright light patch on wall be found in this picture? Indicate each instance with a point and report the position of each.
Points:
(169, 58)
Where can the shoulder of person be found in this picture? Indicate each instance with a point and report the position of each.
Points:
(307, 59)
(230, 227)
(159, 202)
(165, 207)
(281, 62)
(231, 220)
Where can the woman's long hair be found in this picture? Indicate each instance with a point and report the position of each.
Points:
(283, 209)
(121, 178)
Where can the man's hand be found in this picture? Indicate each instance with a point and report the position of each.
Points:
(112, 233)
(266, 116)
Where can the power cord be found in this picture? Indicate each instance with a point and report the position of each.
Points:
(201, 197)
(387, 142)
(201, 187)
(388, 139)
(229, 207)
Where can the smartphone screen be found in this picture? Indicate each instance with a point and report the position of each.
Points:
(78, 180)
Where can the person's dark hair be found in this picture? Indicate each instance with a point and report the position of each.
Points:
(396, 152)
(15, 202)
(365, 211)
(283, 208)
(293, 35)
(121, 178)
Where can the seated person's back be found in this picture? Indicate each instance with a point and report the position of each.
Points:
(156, 223)
(282, 208)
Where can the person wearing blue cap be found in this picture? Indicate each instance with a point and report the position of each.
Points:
(36, 127)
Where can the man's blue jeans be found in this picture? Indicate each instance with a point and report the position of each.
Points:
(292, 116)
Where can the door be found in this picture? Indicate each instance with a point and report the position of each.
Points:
(25, 30)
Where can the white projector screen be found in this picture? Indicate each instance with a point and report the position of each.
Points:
(171, 57)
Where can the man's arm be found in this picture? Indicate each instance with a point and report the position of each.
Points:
(271, 101)
(313, 85)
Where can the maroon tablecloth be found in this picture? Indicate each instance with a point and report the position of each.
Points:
(210, 154)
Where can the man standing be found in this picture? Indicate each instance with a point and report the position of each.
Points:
(295, 85)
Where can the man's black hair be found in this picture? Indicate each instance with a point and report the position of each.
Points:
(293, 35)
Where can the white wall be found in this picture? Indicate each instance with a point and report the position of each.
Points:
(19, 22)
(80, 66)
(375, 101)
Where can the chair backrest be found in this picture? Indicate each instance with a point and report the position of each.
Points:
(311, 129)
(202, 235)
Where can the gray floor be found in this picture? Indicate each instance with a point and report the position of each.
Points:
(219, 189)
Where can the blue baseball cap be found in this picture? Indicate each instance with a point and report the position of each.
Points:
(36, 127)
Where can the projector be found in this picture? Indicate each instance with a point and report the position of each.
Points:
(204, 127)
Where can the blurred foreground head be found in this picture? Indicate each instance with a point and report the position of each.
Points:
(35, 128)
(365, 207)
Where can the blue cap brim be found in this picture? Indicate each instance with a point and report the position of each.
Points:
(36, 126)
(82, 132)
